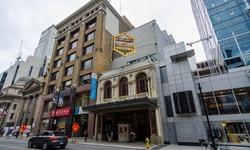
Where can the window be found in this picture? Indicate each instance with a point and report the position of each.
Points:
(71, 57)
(123, 87)
(88, 49)
(75, 33)
(163, 74)
(142, 83)
(11, 116)
(54, 76)
(69, 70)
(85, 79)
(59, 52)
(89, 36)
(61, 41)
(107, 90)
(14, 106)
(90, 24)
(67, 84)
(52, 88)
(73, 45)
(31, 68)
(169, 107)
(57, 63)
(87, 64)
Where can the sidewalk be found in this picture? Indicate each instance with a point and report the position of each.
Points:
(141, 145)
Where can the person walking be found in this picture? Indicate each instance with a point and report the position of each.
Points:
(147, 141)
(132, 136)
(108, 136)
(85, 135)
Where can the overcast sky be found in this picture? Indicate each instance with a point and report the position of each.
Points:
(25, 20)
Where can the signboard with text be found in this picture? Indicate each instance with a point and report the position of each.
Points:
(184, 102)
(124, 44)
(60, 112)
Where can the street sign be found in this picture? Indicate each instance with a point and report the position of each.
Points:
(75, 127)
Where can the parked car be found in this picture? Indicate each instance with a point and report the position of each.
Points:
(48, 139)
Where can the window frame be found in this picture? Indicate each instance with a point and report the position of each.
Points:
(123, 85)
(71, 57)
(88, 49)
(73, 44)
(89, 36)
(84, 64)
(108, 90)
(139, 87)
(68, 70)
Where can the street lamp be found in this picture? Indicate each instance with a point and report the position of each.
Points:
(208, 122)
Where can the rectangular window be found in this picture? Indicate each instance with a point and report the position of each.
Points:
(69, 70)
(73, 45)
(91, 23)
(59, 52)
(31, 68)
(169, 107)
(67, 85)
(52, 89)
(11, 116)
(61, 41)
(14, 106)
(54, 76)
(71, 57)
(88, 49)
(75, 33)
(57, 63)
(87, 64)
(163, 74)
(89, 36)
(85, 79)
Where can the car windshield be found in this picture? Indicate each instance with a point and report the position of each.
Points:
(58, 133)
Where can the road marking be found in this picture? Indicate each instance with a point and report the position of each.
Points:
(15, 147)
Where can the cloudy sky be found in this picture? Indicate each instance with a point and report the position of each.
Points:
(25, 20)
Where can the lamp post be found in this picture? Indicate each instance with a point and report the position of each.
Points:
(208, 122)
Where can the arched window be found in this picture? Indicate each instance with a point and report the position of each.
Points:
(107, 90)
(123, 87)
(142, 83)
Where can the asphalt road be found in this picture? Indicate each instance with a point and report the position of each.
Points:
(21, 144)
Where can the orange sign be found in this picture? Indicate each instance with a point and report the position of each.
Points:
(124, 44)
(75, 127)
(23, 128)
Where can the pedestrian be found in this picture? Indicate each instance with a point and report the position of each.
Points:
(108, 136)
(17, 133)
(85, 135)
(132, 135)
(147, 141)
(111, 135)
(27, 134)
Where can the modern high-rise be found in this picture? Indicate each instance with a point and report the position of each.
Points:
(224, 27)
(45, 47)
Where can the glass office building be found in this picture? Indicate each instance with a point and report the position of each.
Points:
(230, 21)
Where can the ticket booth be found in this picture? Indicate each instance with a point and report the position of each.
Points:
(124, 132)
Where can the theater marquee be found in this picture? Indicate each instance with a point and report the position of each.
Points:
(124, 44)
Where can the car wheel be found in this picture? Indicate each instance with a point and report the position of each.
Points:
(45, 145)
(30, 144)
(63, 146)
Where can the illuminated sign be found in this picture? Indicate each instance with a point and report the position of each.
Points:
(124, 44)
(61, 112)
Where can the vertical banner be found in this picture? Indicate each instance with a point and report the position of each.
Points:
(93, 89)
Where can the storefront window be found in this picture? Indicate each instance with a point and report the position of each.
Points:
(242, 96)
(83, 100)
(210, 104)
(226, 102)
(236, 132)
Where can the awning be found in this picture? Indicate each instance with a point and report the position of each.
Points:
(131, 104)
(182, 56)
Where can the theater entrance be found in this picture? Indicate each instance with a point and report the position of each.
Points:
(138, 120)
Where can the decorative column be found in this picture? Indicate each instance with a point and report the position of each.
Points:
(32, 110)
(26, 110)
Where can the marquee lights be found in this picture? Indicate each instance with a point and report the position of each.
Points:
(124, 44)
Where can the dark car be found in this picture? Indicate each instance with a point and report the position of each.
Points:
(47, 139)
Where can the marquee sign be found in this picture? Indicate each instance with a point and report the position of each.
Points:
(124, 44)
